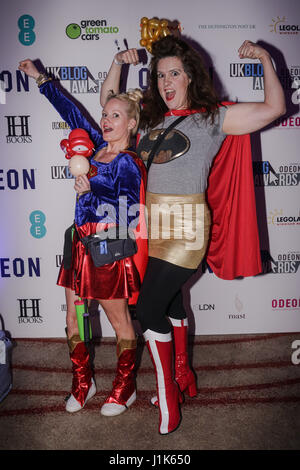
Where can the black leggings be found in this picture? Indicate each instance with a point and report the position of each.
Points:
(161, 296)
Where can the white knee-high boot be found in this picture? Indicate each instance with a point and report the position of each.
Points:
(160, 347)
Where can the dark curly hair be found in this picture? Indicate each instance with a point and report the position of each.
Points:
(200, 93)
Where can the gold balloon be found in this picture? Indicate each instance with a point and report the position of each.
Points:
(152, 30)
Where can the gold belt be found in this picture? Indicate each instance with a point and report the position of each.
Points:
(178, 227)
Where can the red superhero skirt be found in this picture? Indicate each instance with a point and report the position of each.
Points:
(117, 280)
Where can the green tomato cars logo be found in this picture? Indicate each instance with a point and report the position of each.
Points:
(90, 30)
(73, 31)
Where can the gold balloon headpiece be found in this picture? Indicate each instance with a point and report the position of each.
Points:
(152, 30)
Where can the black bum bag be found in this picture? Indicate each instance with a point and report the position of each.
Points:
(109, 246)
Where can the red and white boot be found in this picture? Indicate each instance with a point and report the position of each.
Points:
(83, 385)
(160, 347)
(123, 393)
(184, 376)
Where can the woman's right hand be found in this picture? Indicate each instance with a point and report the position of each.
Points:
(129, 56)
(82, 184)
(28, 67)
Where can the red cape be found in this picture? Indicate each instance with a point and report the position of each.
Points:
(233, 249)
(141, 257)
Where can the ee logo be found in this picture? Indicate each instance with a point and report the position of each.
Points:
(26, 35)
(37, 219)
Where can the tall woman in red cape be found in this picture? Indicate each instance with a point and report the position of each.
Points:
(204, 164)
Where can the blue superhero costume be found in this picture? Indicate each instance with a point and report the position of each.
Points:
(116, 197)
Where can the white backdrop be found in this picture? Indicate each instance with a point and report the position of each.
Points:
(36, 191)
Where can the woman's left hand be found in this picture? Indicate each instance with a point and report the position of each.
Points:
(82, 184)
(250, 50)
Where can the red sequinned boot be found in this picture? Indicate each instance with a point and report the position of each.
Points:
(169, 396)
(123, 393)
(83, 385)
(184, 376)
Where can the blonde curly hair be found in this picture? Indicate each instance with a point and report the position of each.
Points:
(132, 97)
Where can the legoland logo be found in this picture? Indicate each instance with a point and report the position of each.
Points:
(90, 30)
(26, 35)
(279, 218)
(279, 26)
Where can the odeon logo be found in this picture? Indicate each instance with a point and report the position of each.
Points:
(286, 303)
(17, 179)
(90, 30)
(20, 267)
(288, 123)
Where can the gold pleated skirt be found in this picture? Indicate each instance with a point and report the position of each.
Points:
(178, 228)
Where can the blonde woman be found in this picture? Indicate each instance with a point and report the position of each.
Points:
(116, 180)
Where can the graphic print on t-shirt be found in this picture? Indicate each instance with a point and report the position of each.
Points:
(174, 145)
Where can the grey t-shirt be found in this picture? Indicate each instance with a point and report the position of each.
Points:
(182, 163)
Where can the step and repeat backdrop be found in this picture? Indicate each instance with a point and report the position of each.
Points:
(75, 42)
